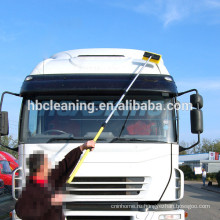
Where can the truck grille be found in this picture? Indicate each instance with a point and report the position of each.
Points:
(99, 218)
(106, 185)
(101, 206)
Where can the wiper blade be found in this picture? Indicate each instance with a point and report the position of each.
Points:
(69, 139)
(136, 139)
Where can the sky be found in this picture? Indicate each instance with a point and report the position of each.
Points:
(185, 32)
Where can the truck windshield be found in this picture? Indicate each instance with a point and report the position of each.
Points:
(64, 121)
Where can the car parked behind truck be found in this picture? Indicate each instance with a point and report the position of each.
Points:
(5, 174)
(13, 162)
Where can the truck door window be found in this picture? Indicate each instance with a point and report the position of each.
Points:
(32, 122)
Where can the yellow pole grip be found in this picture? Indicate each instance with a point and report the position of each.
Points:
(84, 156)
(98, 134)
(77, 167)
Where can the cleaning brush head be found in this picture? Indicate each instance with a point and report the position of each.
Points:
(155, 58)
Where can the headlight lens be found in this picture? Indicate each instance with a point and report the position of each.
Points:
(169, 216)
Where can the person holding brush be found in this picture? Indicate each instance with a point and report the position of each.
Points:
(42, 198)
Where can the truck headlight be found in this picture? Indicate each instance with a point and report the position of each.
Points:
(170, 216)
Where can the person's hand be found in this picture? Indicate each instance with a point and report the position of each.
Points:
(57, 199)
(88, 145)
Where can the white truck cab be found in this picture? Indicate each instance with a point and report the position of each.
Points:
(133, 172)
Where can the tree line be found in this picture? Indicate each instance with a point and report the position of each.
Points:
(205, 146)
(10, 142)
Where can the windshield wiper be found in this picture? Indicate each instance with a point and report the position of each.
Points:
(70, 139)
(123, 126)
(112, 141)
(135, 139)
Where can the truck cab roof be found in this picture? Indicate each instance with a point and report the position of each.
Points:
(97, 71)
(98, 60)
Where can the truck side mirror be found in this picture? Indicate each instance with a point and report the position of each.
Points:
(196, 117)
(4, 127)
(196, 100)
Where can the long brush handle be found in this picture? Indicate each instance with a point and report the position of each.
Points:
(148, 56)
(84, 156)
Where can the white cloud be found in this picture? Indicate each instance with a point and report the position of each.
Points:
(169, 11)
(172, 13)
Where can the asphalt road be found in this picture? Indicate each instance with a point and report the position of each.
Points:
(201, 204)
(5, 207)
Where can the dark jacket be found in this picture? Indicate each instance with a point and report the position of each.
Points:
(35, 200)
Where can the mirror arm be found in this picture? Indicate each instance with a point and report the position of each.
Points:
(3, 94)
(191, 90)
(177, 118)
(14, 149)
(187, 148)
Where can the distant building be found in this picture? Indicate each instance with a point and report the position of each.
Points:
(203, 160)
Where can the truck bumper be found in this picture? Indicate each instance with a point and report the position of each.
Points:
(121, 215)
(126, 215)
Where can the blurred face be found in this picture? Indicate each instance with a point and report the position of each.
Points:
(45, 168)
